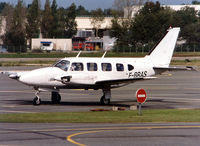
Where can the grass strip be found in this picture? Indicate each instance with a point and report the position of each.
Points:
(88, 54)
(186, 63)
(28, 63)
(166, 115)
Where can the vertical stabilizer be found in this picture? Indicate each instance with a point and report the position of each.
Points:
(161, 55)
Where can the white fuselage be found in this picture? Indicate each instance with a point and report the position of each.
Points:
(92, 70)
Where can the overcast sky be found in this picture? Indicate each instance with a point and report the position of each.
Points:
(93, 4)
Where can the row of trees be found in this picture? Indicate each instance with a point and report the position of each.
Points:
(24, 23)
(151, 22)
(143, 30)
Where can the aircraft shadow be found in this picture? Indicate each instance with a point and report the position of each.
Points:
(150, 104)
(79, 103)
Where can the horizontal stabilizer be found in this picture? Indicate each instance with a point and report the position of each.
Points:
(187, 68)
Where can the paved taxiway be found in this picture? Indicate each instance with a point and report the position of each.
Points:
(170, 90)
(173, 134)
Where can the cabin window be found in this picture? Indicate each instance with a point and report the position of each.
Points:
(63, 64)
(91, 66)
(120, 67)
(106, 67)
(77, 66)
(130, 67)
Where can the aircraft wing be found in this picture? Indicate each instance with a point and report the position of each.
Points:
(122, 81)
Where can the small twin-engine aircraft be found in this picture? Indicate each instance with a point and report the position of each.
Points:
(100, 73)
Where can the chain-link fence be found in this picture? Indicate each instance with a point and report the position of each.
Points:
(188, 48)
(125, 49)
(144, 49)
(13, 49)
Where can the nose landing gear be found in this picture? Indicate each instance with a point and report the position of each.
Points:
(55, 98)
(37, 100)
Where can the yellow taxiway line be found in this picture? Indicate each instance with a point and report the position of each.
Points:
(69, 138)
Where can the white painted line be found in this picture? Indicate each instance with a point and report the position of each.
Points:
(6, 111)
(16, 91)
(181, 99)
(141, 95)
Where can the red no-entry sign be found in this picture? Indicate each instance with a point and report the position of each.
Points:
(141, 95)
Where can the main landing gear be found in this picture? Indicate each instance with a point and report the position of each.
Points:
(55, 98)
(105, 99)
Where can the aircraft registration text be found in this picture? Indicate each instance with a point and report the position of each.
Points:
(137, 74)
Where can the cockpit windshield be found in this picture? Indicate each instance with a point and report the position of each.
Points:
(63, 64)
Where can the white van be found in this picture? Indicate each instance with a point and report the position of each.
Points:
(46, 46)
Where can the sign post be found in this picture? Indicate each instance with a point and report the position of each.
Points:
(141, 96)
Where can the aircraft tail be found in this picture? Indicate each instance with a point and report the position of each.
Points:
(161, 54)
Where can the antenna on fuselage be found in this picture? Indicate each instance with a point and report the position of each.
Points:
(104, 54)
(78, 54)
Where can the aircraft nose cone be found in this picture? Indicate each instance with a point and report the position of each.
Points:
(34, 77)
(40, 77)
(25, 79)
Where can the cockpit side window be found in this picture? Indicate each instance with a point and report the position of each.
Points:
(130, 67)
(63, 64)
(76, 66)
